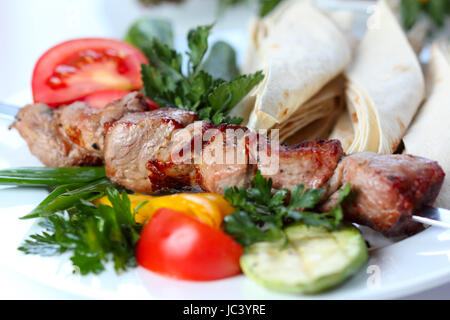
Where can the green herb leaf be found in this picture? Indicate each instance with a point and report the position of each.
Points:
(153, 2)
(86, 263)
(266, 6)
(436, 9)
(221, 62)
(44, 245)
(262, 215)
(228, 94)
(304, 199)
(225, 4)
(40, 210)
(410, 11)
(65, 197)
(211, 98)
(94, 235)
(144, 30)
(50, 177)
(246, 232)
(198, 45)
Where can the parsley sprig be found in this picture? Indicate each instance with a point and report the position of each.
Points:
(265, 6)
(262, 215)
(94, 235)
(167, 84)
(436, 10)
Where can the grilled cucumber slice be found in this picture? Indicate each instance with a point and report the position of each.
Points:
(313, 259)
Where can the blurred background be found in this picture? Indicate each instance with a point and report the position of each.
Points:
(29, 27)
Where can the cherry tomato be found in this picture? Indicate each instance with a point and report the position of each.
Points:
(74, 69)
(177, 245)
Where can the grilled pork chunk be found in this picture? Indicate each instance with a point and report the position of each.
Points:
(39, 126)
(311, 163)
(388, 190)
(133, 143)
(225, 159)
(72, 135)
(85, 126)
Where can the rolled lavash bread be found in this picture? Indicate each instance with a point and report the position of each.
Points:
(316, 117)
(385, 87)
(429, 134)
(300, 50)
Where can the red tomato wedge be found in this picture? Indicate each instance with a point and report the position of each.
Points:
(77, 68)
(152, 105)
(177, 245)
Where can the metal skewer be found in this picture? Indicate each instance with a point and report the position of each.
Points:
(8, 112)
(437, 217)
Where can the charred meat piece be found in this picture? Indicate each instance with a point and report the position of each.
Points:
(85, 126)
(39, 127)
(224, 159)
(311, 163)
(72, 135)
(133, 143)
(176, 160)
(388, 190)
(242, 153)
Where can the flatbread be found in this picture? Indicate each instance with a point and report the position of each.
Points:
(300, 50)
(429, 135)
(385, 87)
(316, 118)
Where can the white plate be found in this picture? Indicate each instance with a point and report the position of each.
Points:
(395, 270)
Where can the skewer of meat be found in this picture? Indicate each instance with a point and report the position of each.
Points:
(145, 151)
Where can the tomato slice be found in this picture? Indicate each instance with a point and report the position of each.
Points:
(177, 245)
(77, 68)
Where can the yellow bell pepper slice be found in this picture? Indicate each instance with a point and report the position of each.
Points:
(209, 208)
(225, 207)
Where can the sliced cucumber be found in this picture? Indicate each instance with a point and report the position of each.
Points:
(313, 260)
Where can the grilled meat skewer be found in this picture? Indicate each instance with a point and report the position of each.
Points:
(147, 151)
